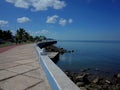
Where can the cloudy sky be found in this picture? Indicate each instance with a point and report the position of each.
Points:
(63, 19)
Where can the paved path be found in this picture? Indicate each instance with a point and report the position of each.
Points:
(20, 70)
(3, 49)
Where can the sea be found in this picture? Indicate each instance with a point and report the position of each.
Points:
(102, 56)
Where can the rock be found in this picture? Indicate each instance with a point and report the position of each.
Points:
(72, 50)
(1, 88)
(114, 79)
(88, 81)
(83, 88)
(101, 82)
(118, 75)
(71, 75)
(107, 81)
(85, 79)
(79, 84)
(67, 72)
(53, 48)
(91, 77)
(96, 80)
(117, 87)
(93, 86)
(80, 77)
(105, 86)
(68, 51)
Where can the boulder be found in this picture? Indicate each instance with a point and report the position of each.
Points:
(118, 75)
(83, 88)
(96, 80)
(79, 84)
(107, 81)
(80, 77)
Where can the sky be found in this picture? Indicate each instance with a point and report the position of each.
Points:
(63, 19)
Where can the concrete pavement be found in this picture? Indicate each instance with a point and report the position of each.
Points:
(20, 70)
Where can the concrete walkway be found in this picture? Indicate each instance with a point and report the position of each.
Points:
(20, 70)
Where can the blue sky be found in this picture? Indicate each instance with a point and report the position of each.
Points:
(63, 19)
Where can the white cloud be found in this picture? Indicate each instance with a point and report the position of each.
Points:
(23, 20)
(13, 31)
(3, 22)
(19, 3)
(70, 21)
(62, 22)
(44, 31)
(56, 19)
(52, 19)
(38, 5)
(58, 4)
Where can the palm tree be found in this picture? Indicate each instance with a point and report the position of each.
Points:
(20, 34)
(1, 32)
(9, 35)
(26, 36)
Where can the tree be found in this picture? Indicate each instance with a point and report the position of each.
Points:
(6, 35)
(31, 38)
(1, 33)
(9, 35)
(20, 34)
(42, 38)
(36, 38)
(39, 38)
(23, 36)
(26, 36)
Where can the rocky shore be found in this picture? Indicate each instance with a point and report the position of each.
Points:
(88, 81)
(53, 48)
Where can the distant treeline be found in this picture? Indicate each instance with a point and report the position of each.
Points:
(20, 36)
(6, 35)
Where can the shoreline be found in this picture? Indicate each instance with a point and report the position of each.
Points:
(90, 79)
(53, 48)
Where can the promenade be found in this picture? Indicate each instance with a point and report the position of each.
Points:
(20, 70)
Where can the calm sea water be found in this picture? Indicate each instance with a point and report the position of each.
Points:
(103, 55)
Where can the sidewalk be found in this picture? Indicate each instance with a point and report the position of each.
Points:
(20, 70)
(3, 49)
